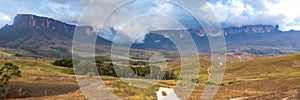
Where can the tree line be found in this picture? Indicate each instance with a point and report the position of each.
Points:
(143, 70)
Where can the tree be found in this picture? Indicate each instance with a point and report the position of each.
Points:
(65, 62)
(7, 71)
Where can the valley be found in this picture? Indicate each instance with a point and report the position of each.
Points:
(262, 62)
(258, 78)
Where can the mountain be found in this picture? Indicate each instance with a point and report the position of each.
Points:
(42, 36)
(47, 37)
(22, 21)
(256, 39)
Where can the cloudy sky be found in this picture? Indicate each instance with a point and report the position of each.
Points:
(285, 13)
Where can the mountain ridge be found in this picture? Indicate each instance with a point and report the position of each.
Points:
(256, 39)
(37, 22)
(49, 37)
(43, 37)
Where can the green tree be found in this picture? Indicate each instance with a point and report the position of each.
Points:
(7, 71)
(65, 62)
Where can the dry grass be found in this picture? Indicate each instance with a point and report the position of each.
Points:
(258, 77)
(251, 78)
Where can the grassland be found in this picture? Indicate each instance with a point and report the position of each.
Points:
(253, 78)
(248, 78)
(42, 80)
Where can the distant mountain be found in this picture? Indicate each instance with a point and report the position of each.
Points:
(42, 36)
(250, 29)
(22, 21)
(256, 39)
(47, 37)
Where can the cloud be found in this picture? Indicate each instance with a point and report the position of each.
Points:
(137, 18)
(4, 19)
(163, 8)
(245, 12)
(138, 27)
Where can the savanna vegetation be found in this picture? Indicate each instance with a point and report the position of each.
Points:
(136, 69)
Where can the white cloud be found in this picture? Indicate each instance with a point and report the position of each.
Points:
(5, 18)
(163, 7)
(136, 28)
(134, 20)
(288, 8)
(244, 12)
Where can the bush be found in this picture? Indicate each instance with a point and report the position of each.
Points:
(18, 55)
(64, 62)
(164, 93)
(222, 84)
(231, 82)
(137, 63)
(234, 81)
(91, 74)
(106, 69)
(195, 80)
(213, 83)
(169, 75)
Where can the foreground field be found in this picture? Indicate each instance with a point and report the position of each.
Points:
(258, 79)
(264, 78)
(42, 80)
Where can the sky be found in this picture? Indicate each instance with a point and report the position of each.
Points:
(135, 15)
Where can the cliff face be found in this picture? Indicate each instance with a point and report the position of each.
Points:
(260, 39)
(44, 37)
(32, 21)
(251, 29)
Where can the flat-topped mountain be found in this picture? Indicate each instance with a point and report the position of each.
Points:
(48, 37)
(43, 36)
(249, 29)
(257, 39)
(33, 21)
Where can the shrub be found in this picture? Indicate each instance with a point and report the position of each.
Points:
(213, 83)
(234, 81)
(91, 74)
(64, 62)
(222, 84)
(18, 55)
(169, 75)
(231, 82)
(195, 80)
(164, 93)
